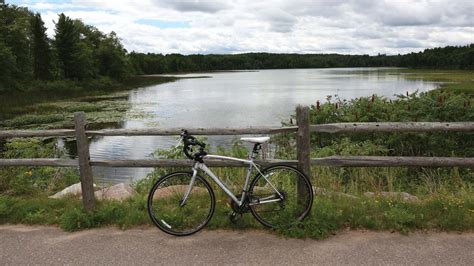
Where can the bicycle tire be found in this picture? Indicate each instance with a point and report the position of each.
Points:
(281, 214)
(166, 213)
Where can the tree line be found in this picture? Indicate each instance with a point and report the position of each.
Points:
(80, 52)
(452, 57)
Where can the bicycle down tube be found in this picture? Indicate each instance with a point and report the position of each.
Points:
(222, 185)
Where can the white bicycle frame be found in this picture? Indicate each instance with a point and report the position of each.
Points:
(202, 166)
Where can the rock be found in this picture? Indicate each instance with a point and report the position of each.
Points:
(72, 190)
(394, 195)
(169, 191)
(345, 195)
(118, 192)
(319, 191)
(323, 192)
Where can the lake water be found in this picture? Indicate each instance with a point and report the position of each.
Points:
(235, 99)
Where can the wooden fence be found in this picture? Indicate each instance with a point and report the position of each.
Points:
(303, 161)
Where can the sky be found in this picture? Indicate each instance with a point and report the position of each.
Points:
(296, 26)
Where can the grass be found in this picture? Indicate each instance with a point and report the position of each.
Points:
(446, 200)
(100, 110)
(46, 97)
(329, 215)
(456, 81)
(446, 194)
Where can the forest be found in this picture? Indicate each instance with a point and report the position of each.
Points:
(449, 57)
(31, 60)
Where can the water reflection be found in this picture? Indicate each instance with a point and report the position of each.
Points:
(235, 99)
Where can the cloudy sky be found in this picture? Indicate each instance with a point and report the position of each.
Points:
(294, 26)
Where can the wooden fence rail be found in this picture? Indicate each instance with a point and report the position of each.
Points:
(323, 128)
(338, 161)
(302, 131)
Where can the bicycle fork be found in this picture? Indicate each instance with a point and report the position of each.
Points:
(182, 202)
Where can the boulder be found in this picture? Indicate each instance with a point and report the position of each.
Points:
(72, 190)
(118, 192)
(171, 190)
(393, 195)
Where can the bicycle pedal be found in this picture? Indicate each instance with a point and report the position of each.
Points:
(234, 217)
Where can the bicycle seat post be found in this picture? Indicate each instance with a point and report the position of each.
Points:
(256, 148)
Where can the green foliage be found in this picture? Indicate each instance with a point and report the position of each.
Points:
(41, 50)
(15, 60)
(74, 57)
(448, 57)
(442, 209)
(8, 66)
(125, 214)
(33, 180)
(330, 215)
(113, 61)
(69, 213)
(428, 107)
(81, 52)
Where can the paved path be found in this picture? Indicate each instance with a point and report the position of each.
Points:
(49, 245)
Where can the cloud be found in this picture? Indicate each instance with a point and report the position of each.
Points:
(279, 20)
(193, 5)
(297, 26)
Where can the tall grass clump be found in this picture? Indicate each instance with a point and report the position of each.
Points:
(435, 106)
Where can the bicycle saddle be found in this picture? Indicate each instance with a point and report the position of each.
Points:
(259, 140)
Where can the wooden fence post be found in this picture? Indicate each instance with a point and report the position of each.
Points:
(85, 169)
(303, 147)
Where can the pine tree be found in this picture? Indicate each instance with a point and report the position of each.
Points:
(14, 33)
(66, 42)
(75, 57)
(40, 49)
(7, 66)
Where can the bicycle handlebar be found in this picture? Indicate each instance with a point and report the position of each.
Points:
(189, 141)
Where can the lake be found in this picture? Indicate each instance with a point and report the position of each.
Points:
(235, 99)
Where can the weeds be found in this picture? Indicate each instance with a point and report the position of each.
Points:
(33, 181)
(328, 216)
(446, 194)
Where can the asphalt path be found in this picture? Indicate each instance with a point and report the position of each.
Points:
(20, 245)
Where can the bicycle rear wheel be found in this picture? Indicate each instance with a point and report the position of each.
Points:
(291, 203)
(164, 204)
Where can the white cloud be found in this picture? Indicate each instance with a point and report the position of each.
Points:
(298, 26)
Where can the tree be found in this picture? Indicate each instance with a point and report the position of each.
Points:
(40, 49)
(74, 55)
(113, 61)
(7, 66)
(14, 33)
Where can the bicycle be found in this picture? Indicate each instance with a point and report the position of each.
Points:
(182, 203)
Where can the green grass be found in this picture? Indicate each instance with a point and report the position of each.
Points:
(437, 212)
(329, 215)
(69, 213)
(457, 81)
(45, 98)
(447, 194)
(446, 199)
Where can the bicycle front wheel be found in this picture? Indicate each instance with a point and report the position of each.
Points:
(280, 196)
(164, 204)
